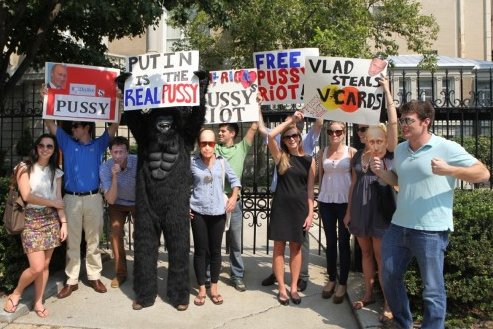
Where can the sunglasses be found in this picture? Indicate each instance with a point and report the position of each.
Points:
(337, 132)
(362, 129)
(76, 125)
(45, 146)
(293, 136)
(406, 121)
(204, 144)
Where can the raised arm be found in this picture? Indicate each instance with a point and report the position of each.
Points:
(392, 133)
(51, 126)
(274, 147)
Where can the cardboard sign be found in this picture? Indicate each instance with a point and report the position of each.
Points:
(280, 74)
(232, 96)
(162, 80)
(80, 93)
(344, 89)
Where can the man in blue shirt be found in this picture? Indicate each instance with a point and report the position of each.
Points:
(426, 170)
(118, 176)
(310, 142)
(82, 157)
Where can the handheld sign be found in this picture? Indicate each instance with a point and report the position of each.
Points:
(344, 89)
(80, 93)
(162, 80)
(280, 74)
(232, 96)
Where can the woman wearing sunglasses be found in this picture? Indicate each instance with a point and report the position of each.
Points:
(292, 206)
(362, 217)
(334, 172)
(39, 181)
(208, 212)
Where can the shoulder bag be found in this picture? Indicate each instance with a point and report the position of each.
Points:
(13, 216)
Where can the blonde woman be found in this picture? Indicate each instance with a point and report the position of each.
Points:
(334, 165)
(292, 206)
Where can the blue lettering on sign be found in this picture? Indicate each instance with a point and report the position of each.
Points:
(281, 60)
(142, 97)
(294, 57)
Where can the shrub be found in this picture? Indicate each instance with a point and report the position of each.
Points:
(468, 262)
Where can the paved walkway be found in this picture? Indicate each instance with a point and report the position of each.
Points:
(255, 308)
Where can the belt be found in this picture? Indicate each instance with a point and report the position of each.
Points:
(96, 191)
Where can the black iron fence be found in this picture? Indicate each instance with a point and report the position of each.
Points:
(464, 112)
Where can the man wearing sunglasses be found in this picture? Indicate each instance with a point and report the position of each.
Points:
(310, 142)
(82, 157)
(426, 169)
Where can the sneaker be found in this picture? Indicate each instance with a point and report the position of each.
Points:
(269, 281)
(302, 285)
(238, 284)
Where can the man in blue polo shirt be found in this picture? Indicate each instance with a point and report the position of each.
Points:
(82, 157)
(118, 175)
(427, 167)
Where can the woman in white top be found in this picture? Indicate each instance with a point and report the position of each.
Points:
(39, 181)
(334, 164)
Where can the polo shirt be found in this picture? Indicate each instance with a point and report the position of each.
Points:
(125, 195)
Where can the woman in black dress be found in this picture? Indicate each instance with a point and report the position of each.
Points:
(292, 206)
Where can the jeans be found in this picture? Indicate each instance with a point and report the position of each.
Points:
(399, 246)
(336, 234)
(235, 239)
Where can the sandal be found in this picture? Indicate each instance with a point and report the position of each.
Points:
(41, 313)
(358, 305)
(386, 316)
(199, 300)
(217, 299)
(13, 308)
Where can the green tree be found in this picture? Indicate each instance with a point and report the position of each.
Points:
(69, 31)
(228, 32)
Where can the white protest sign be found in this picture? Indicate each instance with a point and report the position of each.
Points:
(162, 80)
(232, 96)
(280, 74)
(344, 89)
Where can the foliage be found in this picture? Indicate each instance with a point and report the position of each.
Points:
(229, 31)
(68, 31)
(468, 262)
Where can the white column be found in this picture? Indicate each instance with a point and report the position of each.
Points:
(487, 30)
(156, 35)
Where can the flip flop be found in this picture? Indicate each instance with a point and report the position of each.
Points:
(358, 305)
(14, 306)
(217, 299)
(41, 313)
(199, 300)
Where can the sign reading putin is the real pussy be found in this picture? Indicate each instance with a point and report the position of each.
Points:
(80, 93)
(344, 89)
(162, 80)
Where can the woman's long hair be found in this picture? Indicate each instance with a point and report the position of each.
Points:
(284, 164)
(34, 157)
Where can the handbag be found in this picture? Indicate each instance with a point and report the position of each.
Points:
(13, 216)
(228, 214)
(385, 195)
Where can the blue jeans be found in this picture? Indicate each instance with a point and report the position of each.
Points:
(336, 235)
(399, 246)
(235, 237)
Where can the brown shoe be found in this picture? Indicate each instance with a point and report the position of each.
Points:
(182, 307)
(67, 290)
(98, 286)
(118, 281)
(328, 290)
(136, 306)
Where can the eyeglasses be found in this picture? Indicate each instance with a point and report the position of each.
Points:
(293, 136)
(362, 129)
(406, 121)
(45, 146)
(337, 132)
(204, 144)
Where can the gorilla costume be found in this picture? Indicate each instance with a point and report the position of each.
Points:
(165, 138)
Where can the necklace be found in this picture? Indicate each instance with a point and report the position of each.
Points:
(365, 166)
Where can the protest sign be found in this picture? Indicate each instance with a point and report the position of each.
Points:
(280, 74)
(232, 96)
(344, 89)
(162, 80)
(80, 93)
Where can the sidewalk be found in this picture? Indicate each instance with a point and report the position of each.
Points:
(255, 308)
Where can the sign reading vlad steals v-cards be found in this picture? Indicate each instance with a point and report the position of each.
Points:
(162, 80)
(344, 89)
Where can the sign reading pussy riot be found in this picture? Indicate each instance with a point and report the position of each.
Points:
(344, 89)
(280, 74)
(80, 93)
(232, 96)
(162, 80)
